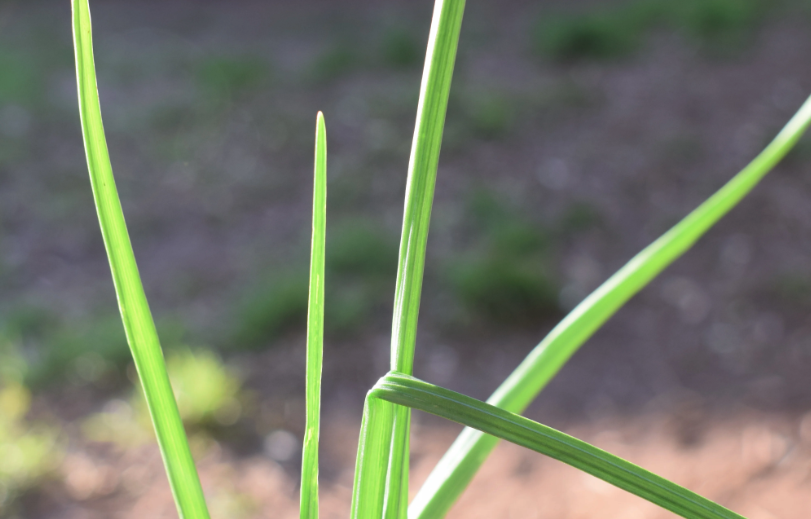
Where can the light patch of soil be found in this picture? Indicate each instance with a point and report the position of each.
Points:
(755, 464)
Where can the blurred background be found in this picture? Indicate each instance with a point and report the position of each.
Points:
(577, 133)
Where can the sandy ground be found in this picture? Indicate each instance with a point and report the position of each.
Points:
(755, 464)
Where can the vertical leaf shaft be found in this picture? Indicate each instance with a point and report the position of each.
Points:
(315, 329)
(434, 91)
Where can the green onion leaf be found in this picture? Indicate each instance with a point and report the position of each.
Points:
(455, 470)
(315, 329)
(138, 324)
(414, 393)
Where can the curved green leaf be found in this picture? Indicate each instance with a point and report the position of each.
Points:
(138, 325)
(414, 393)
(471, 448)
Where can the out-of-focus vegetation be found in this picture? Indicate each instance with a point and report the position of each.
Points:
(508, 276)
(29, 449)
(716, 26)
(209, 397)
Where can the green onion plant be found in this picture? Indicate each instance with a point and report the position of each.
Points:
(381, 473)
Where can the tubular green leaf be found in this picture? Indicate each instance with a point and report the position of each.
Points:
(433, 102)
(471, 448)
(315, 329)
(414, 393)
(138, 324)
(374, 451)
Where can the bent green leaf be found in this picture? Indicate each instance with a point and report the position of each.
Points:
(455, 470)
(434, 91)
(138, 324)
(408, 391)
(315, 329)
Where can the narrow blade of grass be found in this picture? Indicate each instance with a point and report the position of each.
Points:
(414, 393)
(138, 324)
(433, 103)
(455, 470)
(315, 329)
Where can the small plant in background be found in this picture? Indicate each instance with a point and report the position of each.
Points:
(227, 77)
(508, 277)
(271, 307)
(334, 62)
(209, 397)
(361, 259)
(381, 473)
(601, 35)
(716, 26)
(401, 49)
(29, 451)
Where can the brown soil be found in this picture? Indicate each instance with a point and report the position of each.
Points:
(755, 464)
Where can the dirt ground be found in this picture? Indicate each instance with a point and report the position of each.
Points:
(757, 465)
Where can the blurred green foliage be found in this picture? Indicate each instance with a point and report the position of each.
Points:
(505, 291)
(361, 261)
(793, 287)
(207, 392)
(23, 86)
(231, 76)
(269, 308)
(491, 116)
(28, 451)
(594, 35)
(401, 49)
(92, 350)
(360, 249)
(479, 115)
(717, 26)
(578, 217)
(507, 278)
(209, 396)
(338, 60)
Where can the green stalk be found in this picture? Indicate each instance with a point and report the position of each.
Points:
(374, 451)
(409, 391)
(315, 329)
(138, 324)
(471, 448)
(433, 102)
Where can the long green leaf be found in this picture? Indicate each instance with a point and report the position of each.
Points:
(138, 325)
(471, 448)
(315, 329)
(433, 102)
(414, 393)
(374, 451)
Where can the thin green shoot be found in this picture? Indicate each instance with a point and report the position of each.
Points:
(455, 470)
(315, 329)
(138, 324)
(414, 393)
